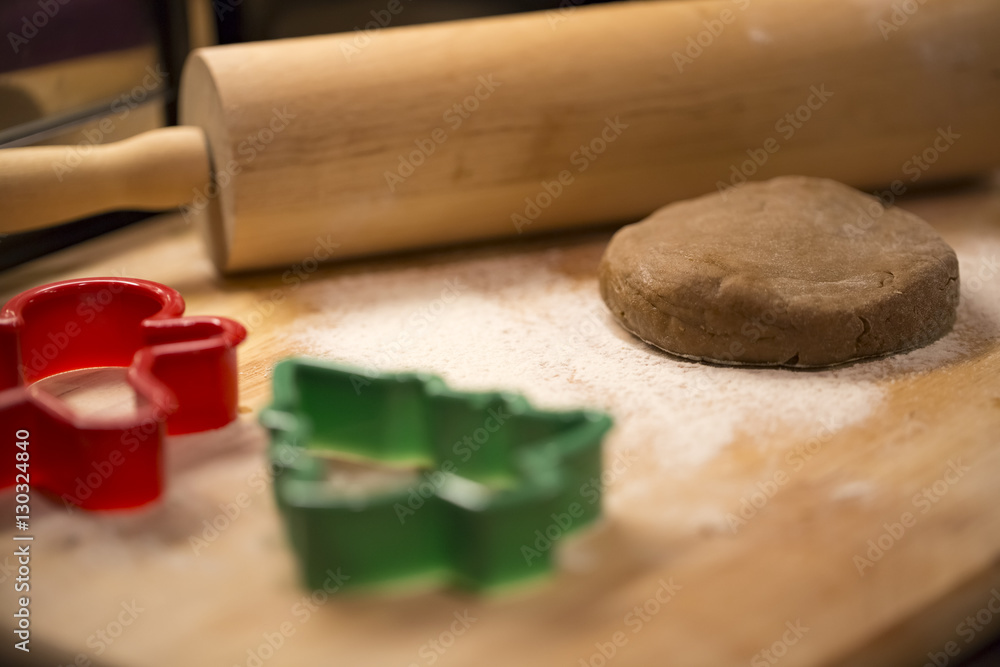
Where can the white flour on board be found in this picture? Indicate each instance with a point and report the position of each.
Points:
(518, 323)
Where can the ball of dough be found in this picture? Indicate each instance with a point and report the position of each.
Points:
(795, 271)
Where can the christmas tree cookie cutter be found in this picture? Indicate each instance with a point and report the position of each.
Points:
(466, 481)
(183, 371)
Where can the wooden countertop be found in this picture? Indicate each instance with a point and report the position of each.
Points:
(654, 584)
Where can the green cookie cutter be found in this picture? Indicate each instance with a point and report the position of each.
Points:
(491, 484)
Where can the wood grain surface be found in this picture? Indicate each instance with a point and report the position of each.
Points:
(732, 596)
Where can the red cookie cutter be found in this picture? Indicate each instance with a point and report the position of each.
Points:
(183, 371)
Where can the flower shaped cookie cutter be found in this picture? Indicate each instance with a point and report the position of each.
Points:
(183, 371)
(484, 484)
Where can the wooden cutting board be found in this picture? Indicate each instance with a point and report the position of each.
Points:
(666, 579)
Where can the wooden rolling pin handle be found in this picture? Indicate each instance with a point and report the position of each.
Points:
(157, 170)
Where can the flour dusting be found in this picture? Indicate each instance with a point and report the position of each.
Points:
(522, 323)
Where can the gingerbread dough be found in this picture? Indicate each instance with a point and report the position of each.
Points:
(795, 271)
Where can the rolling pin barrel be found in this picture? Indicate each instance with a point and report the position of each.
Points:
(469, 130)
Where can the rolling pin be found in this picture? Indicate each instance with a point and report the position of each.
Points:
(390, 139)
